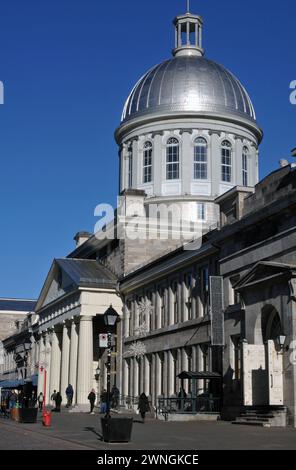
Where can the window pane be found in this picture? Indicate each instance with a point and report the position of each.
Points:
(172, 159)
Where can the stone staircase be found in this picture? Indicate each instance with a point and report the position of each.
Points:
(264, 416)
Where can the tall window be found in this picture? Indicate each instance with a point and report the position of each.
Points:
(200, 159)
(147, 163)
(226, 154)
(201, 211)
(245, 166)
(172, 159)
(130, 167)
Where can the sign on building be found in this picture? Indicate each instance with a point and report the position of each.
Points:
(217, 311)
(103, 340)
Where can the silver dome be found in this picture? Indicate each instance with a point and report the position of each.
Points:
(193, 84)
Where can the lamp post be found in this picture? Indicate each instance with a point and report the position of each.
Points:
(110, 319)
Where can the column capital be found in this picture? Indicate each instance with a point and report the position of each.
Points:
(85, 318)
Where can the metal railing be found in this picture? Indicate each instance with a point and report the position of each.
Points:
(204, 405)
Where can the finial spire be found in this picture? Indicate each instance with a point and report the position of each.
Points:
(188, 6)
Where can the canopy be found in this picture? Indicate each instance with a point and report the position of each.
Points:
(199, 375)
(11, 383)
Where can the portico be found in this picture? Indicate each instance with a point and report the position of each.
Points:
(71, 305)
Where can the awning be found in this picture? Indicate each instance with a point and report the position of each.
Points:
(199, 376)
(11, 383)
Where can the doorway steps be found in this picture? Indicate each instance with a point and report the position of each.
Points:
(264, 416)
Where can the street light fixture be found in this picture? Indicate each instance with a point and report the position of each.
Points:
(281, 339)
(110, 319)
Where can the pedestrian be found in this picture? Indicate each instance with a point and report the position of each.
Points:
(92, 398)
(58, 402)
(115, 397)
(40, 400)
(103, 398)
(181, 398)
(143, 406)
(69, 395)
(53, 397)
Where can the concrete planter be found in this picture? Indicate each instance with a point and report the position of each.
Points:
(117, 429)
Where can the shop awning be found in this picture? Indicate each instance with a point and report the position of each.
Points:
(11, 383)
(199, 376)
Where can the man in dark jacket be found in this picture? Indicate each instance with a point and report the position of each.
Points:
(58, 402)
(92, 399)
(69, 395)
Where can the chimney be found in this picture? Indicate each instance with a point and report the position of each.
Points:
(81, 237)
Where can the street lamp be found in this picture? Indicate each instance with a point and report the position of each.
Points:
(281, 339)
(110, 319)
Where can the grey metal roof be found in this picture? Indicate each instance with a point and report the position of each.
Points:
(187, 83)
(17, 305)
(86, 272)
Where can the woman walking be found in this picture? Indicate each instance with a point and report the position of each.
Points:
(40, 400)
(143, 406)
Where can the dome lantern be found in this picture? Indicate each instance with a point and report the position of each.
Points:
(188, 35)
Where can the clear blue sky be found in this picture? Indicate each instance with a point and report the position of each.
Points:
(67, 67)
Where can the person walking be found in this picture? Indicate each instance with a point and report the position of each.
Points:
(69, 395)
(92, 399)
(143, 406)
(182, 398)
(103, 398)
(58, 402)
(53, 397)
(40, 400)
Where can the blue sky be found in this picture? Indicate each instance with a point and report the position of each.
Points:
(67, 67)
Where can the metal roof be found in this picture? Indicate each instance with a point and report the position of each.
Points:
(88, 272)
(193, 84)
(17, 305)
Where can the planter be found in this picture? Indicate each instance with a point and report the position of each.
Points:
(28, 415)
(117, 429)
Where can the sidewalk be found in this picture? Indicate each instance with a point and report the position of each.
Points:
(83, 431)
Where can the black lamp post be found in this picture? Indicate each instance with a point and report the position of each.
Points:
(110, 319)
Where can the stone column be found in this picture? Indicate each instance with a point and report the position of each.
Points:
(158, 377)
(171, 374)
(165, 373)
(146, 376)
(73, 358)
(55, 368)
(40, 363)
(85, 360)
(200, 368)
(125, 380)
(47, 360)
(136, 377)
(65, 362)
(184, 300)
(153, 381)
(171, 306)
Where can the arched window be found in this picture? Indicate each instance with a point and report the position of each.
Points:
(200, 159)
(147, 163)
(172, 159)
(226, 157)
(245, 166)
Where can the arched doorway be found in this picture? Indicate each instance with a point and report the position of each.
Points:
(263, 361)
